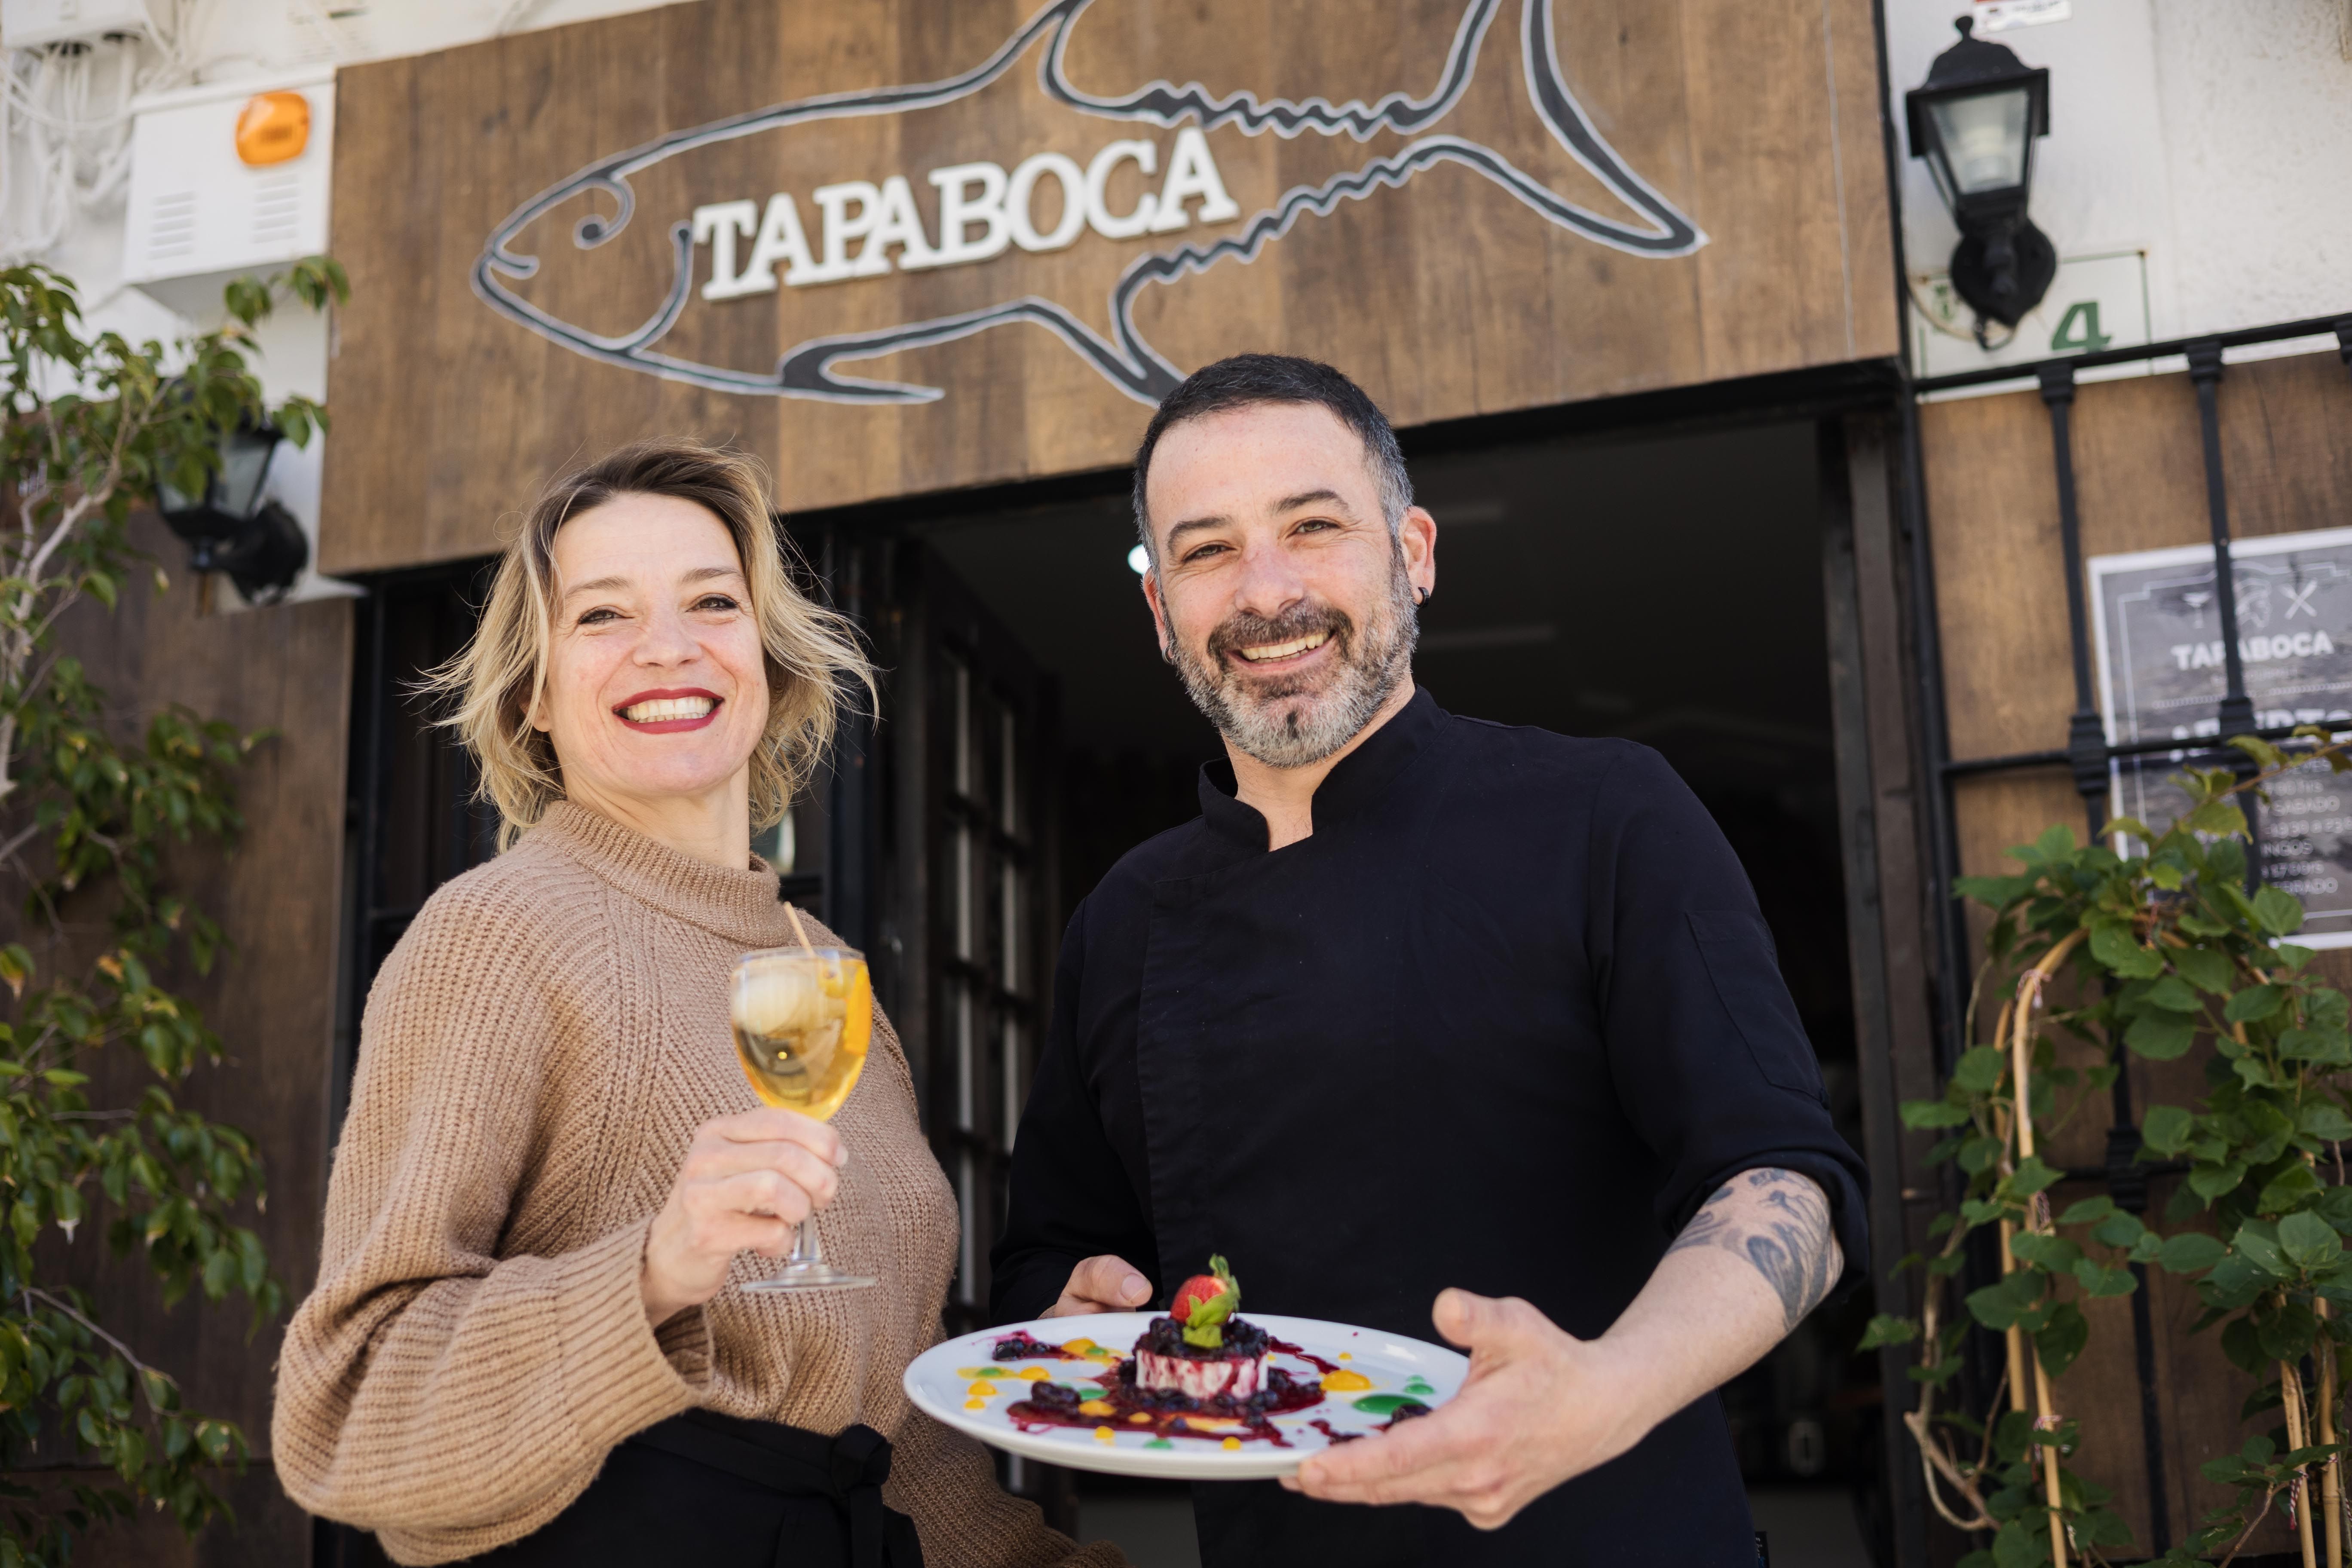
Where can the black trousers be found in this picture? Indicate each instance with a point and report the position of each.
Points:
(718, 1492)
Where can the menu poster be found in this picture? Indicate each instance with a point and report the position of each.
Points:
(2156, 626)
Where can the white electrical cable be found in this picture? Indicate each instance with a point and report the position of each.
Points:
(514, 14)
(70, 105)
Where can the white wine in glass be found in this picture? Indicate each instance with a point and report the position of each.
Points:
(803, 1018)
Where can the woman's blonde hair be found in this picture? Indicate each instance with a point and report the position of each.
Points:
(494, 685)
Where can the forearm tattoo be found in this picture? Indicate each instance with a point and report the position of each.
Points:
(1779, 1222)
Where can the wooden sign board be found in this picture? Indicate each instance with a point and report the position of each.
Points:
(896, 247)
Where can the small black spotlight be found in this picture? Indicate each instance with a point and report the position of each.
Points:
(231, 528)
(1975, 121)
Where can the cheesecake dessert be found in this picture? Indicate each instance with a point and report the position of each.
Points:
(1202, 1350)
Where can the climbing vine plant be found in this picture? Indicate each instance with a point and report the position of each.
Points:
(2158, 954)
(89, 813)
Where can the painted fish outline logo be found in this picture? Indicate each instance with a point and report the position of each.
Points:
(1125, 359)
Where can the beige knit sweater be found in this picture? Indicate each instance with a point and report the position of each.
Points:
(535, 1058)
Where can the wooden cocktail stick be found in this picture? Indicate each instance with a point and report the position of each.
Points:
(799, 930)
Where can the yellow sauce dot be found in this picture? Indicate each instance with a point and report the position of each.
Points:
(1345, 1356)
(1033, 1374)
(975, 1405)
(1080, 1347)
(1097, 1407)
(1232, 1442)
(982, 1390)
(1345, 1382)
(1141, 1418)
(1104, 1434)
(979, 1371)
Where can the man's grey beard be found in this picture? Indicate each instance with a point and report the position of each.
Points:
(1282, 721)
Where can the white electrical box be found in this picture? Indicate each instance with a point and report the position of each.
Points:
(25, 23)
(199, 214)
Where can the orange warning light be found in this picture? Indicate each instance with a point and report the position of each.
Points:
(274, 128)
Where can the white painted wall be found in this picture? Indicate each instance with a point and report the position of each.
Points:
(196, 42)
(2215, 135)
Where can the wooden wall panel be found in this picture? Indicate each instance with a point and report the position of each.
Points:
(1447, 296)
(2286, 427)
(277, 896)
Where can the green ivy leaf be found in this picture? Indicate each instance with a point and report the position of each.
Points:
(1980, 1068)
(2257, 1243)
(2054, 1252)
(2309, 1242)
(2113, 946)
(2020, 1545)
(2289, 1189)
(2254, 1003)
(2061, 1340)
(2160, 1036)
(2032, 1176)
(2097, 1279)
(2331, 1048)
(2219, 818)
(1997, 891)
(2173, 994)
(2203, 967)
(1925, 1114)
(1885, 1329)
(2001, 1304)
(2324, 1121)
(2190, 1252)
(2286, 1334)
(2167, 1129)
(2119, 1230)
(2090, 1210)
(2279, 911)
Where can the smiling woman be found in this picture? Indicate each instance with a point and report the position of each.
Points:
(523, 1348)
(661, 558)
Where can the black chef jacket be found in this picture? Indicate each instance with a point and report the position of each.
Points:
(1503, 1022)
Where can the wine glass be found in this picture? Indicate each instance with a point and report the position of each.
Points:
(803, 1018)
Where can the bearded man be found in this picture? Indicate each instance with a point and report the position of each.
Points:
(1425, 1010)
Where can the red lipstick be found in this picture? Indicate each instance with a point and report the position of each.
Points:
(669, 694)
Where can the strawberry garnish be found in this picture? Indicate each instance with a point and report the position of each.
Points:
(1200, 1287)
(1204, 1301)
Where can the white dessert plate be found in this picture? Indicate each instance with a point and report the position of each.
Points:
(961, 1382)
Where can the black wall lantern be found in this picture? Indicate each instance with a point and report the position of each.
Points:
(231, 528)
(1975, 121)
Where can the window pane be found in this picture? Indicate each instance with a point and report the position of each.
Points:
(1984, 137)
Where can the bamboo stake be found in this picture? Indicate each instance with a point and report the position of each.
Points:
(2016, 1335)
(2028, 993)
(2331, 1483)
(2290, 1398)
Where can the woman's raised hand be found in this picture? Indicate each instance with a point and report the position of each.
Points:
(747, 1181)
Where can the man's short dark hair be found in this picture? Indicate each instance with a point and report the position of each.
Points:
(1245, 381)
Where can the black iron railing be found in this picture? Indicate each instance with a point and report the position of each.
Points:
(2088, 754)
